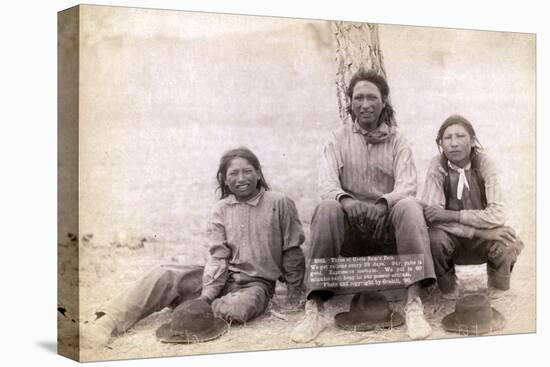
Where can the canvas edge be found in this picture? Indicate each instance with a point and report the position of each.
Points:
(68, 311)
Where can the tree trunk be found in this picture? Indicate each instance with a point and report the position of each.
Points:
(357, 46)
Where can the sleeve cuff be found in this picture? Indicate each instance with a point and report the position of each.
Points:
(342, 195)
(389, 201)
(209, 294)
(220, 252)
(382, 200)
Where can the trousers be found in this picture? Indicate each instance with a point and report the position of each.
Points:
(242, 299)
(333, 235)
(448, 250)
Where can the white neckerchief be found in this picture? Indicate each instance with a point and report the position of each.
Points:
(462, 181)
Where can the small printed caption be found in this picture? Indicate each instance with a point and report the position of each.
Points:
(380, 272)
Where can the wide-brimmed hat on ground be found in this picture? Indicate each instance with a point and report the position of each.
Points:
(192, 322)
(473, 316)
(368, 311)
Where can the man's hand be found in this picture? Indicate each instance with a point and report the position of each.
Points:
(506, 235)
(356, 210)
(205, 299)
(380, 227)
(434, 214)
(376, 212)
(377, 217)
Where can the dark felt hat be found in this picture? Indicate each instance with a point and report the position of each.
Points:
(368, 310)
(473, 316)
(192, 322)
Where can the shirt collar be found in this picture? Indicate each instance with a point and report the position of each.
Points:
(232, 200)
(456, 168)
(382, 127)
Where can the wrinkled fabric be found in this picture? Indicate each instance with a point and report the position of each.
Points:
(473, 212)
(352, 165)
(448, 250)
(242, 299)
(259, 238)
(480, 207)
(164, 286)
(332, 235)
(252, 245)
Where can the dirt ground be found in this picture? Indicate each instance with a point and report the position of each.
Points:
(115, 268)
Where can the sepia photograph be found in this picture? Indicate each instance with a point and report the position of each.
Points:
(231, 183)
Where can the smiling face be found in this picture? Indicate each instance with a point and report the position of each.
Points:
(242, 179)
(367, 104)
(457, 144)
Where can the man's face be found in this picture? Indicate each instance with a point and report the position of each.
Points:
(367, 104)
(242, 179)
(457, 144)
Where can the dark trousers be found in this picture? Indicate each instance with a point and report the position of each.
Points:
(243, 298)
(332, 235)
(448, 250)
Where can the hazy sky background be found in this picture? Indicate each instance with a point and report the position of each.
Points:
(164, 93)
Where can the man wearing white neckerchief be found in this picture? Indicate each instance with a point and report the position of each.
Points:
(465, 211)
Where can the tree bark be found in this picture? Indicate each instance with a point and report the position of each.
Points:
(357, 46)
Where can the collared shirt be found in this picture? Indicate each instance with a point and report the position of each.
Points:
(259, 238)
(353, 165)
(470, 219)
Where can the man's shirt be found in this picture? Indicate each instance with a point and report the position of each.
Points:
(259, 238)
(367, 166)
(490, 217)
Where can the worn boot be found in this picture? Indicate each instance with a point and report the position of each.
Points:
(417, 326)
(99, 332)
(311, 326)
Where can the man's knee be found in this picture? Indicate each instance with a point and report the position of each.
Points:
(408, 206)
(170, 273)
(328, 208)
(408, 209)
(185, 281)
(500, 252)
(190, 285)
(160, 272)
(241, 306)
(440, 243)
(327, 214)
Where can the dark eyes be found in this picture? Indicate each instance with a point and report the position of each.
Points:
(370, 97)
(461, 136)
(235, 173)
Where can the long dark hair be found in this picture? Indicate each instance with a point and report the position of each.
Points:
(227, 157)
(387, 115)
(462, 121)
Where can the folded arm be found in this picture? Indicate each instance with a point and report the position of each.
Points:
(494, 214)
(433, 199)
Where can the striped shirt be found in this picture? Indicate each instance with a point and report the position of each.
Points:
(470, 219)
(353, 165)
(258, 238)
